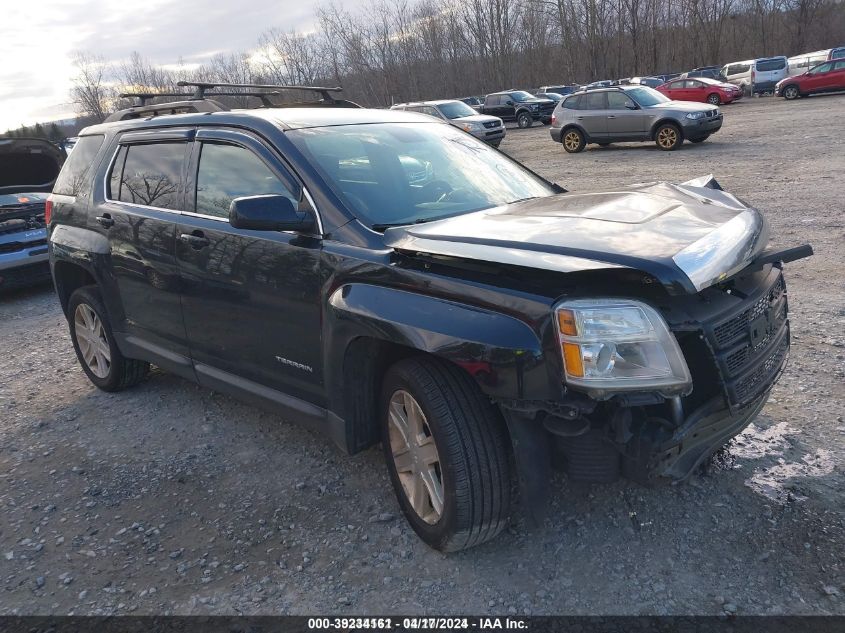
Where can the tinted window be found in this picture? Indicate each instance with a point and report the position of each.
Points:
(822, 68)
(692, 84)
(72, 176)
(837, 53)
(768, 65)
(676, 85)
(455, 110)
(227, 172)
(618, 101)
(839, 65)
(152, 175)
(571, 103)
(737, 69)
(592, 101)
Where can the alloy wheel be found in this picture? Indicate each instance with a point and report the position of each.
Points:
(415, 456)
(713, 99)
(572, 140)
(667, 137)
(92, 341)
(791, 92)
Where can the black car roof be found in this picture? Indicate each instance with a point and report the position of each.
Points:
(283, 118)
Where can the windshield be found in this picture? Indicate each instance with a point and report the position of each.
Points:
(455, 110)
(521, 95)
(646, 96)
(401, 173)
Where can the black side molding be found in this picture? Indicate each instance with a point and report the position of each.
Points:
(782, 256)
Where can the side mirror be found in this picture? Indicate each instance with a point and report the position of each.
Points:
(509, 102)
(268, 213)
(632, 106)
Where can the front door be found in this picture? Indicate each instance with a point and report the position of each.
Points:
(144, 195)
(251, 299)
(624, 117)
(820, 78)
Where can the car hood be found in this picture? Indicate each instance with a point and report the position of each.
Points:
(477, 118)
(687, 236)
(28, 165)
(682, 106)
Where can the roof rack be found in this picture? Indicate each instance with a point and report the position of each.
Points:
(200, 101)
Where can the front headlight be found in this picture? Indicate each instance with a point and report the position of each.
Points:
(472, 127)
(612, 345)
(695, 115)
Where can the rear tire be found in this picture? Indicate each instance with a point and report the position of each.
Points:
(463, 498)
(95, 346)
(791, 92)
(524, 120)
(668, 137)
(573, 140)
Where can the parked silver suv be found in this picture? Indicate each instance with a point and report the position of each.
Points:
(631, 113)
(489, 129)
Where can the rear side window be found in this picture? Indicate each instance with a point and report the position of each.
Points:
(149, 174)
(227, 172)
(823, 68)
(571, 103)
(71, 180)
(676, 85)
(768, 65)
(837, 53)
(839, 65)
(592, 101)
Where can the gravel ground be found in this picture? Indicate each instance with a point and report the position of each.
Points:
(169, 498)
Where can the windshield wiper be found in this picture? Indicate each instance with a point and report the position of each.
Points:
(381, 228)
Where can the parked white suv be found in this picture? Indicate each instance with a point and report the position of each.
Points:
(756, 75)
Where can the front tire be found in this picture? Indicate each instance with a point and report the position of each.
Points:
(447, 454)
(791, 92)
(714, 99)
(524, 120)
(668, 137)
(573, 141)
(95, 346)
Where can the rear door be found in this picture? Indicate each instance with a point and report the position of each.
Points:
(251, 299)
(143, 197)
(592, 114)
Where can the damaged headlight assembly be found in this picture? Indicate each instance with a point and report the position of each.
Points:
(616, 345)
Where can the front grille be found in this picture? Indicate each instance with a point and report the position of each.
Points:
(489, 124)
(751, 345)
(14, 247)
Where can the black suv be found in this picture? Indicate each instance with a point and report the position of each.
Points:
(459, 316)
(519, 106)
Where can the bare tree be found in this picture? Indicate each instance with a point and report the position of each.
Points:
(90, 92)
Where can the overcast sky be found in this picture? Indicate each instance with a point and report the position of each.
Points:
(37, 38)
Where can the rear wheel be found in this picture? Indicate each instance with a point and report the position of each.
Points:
(668, 137)
(95, 346)
(714, 99)
(573, 140)
(791, 92)
(446, 450)
(524, 120)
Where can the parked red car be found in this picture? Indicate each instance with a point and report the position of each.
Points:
(826, 77)
(701, 89)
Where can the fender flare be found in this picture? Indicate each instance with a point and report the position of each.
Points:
(502, 353)
(570, 126)
(670, 120)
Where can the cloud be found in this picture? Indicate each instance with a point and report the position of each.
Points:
(40, 36)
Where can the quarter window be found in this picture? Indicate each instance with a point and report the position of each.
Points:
(839, 65)
(149, 174)
(571, 103)
(227, 172)
(71, 179)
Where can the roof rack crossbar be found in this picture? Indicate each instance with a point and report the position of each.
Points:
(200, 88)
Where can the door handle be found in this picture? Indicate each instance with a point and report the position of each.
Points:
(611, 116)
(580, 118)
(105, 221)
(196, 240)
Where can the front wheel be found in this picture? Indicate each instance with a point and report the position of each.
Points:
(95, 346)
(714, 99)
(524, 120)
(446, 450)
(791, 92)
(573, 141)
(668, 137)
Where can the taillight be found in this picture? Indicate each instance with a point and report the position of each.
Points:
(554, 118)
(48, 210)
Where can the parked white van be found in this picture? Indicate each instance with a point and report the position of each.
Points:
(800, 64)
(757, 75)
